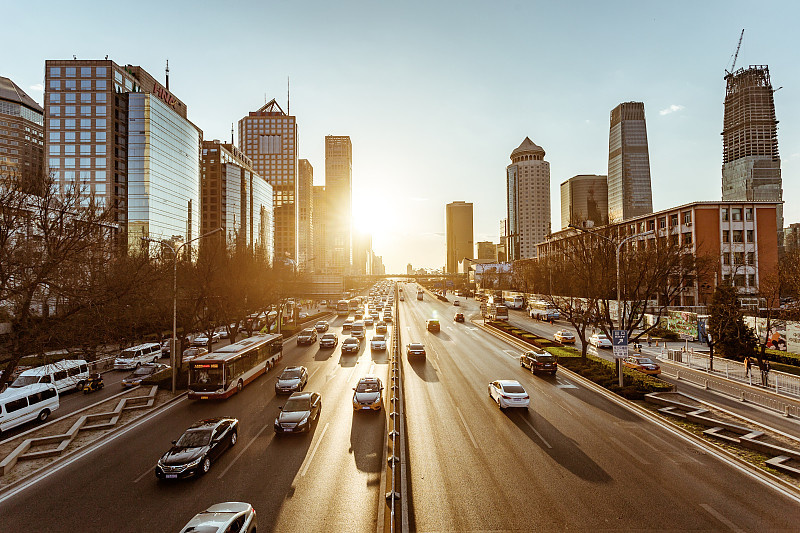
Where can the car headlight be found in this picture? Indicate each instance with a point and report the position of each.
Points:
(303, 421)
(194, 463)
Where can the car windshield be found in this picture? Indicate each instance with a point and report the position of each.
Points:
(351, 340)
(307, 332)
(415, 346)
(645, 361)
(328, 336)
(23, 381)
(368, 386)
(143, 371)
(297, 404)
(291, 374)
(194, 438)
(546, 358)
(513, 388)
(378, 338)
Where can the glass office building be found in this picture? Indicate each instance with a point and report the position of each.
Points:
(629, 192)
(163, 172)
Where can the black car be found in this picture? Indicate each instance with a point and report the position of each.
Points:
(140, 374)
(301, 411)
(380, 327)
(292, 379)
(322, 326)
(307, 336)
(539, 362)
(329, 340)
(351, 344)
(197, 448)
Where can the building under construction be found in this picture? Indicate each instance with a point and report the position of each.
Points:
(751, 166)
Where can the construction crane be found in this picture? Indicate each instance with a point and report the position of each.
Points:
(736, 55)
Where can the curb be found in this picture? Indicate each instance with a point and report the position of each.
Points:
(94, 444)
(717, 451)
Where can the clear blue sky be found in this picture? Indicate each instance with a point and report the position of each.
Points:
(435, 95)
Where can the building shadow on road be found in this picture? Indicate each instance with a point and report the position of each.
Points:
(562, 449)
(604, 404)
(424, 370)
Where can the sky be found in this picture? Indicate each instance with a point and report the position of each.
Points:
(435, 95)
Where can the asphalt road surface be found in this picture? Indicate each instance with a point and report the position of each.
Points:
(574, 460)
(327, 480)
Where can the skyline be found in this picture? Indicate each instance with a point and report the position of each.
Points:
(435, 100)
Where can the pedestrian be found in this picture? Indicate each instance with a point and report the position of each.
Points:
(747, 365)
(649, 340)
(765, 374)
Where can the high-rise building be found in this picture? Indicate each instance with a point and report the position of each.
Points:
(21, 134)
(528, 200)
(362, 253)
(487, 250)
(502, 246)
(791, 238)
(269, 138)
(584, 198)
(751, 165)
(629, 193)
(409, 269)
(235, 198)
(319, 217)
(305, 203)
(459, 234)
(124, 139)
(339, 193)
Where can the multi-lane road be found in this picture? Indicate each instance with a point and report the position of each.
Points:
(574, 460)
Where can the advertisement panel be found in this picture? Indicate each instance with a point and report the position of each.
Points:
(683, 323)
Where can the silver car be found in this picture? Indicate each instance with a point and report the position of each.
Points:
(224, 517)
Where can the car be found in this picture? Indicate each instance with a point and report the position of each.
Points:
(193, 352)
(299, 414)
(216, 337)
(359, 315)
(381, 327)
(415, 349)
(642, 364)
(200, 340)
(432, 325)
(143, 372)
(200, 445)
(600, 340)
(329, 340)
(456, 303)
(402, 298)
(347, 324)
(358, 329)
(223, 332)
(351, 344)
(166, 347)
(322, 326)
(292, 379)
(368, 394)
(458, 317)
(307, 336)
(539, 362)
(224, 518)
(302, 315)
(369, 321)
(377, 342)
(564, 337)
(387, 317)
(508, 393)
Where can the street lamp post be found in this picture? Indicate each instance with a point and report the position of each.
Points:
(619, 271)
(173, 357)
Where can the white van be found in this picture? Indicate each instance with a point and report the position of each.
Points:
(134, 356)
(23, 404)
(66, 374)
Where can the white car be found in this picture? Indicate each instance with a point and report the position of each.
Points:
(378, 342)
(224, 517)
(600, 341)
(200, 340)
(509, 393)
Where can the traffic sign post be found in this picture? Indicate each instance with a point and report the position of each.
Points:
(619, 343)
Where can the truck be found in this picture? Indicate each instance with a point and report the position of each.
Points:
(420, 295)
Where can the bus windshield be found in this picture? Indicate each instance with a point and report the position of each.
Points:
(206, 377)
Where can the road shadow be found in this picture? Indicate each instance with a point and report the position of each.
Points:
(441, 335)
(600, 402)
(425, 371)
(366, 440)
(348, 360)
(323, 354)
(381, 357)
(565, 451)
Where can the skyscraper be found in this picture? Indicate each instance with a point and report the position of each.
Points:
(487, 250)
(305, 202)
(269, 138)
(339, 194)
(22, 133)
(584, 198)
(751, 166)
(528, 200)
(459, 234)
(319, 217)
(629, 193)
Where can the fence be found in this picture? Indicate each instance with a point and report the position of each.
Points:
(397, 521)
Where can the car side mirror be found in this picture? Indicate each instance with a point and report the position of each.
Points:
(174, 442)
(354, 388)
(280, 408)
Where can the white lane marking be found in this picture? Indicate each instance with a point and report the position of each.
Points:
(148, 471)
(466, 427)
(314, 372)
(628, 450)
(314, 451)
(242, 452)
(335, 370)
(716, 514)
(471, 328)
(564, 384)
(511, 353)
(372, 368)
(350, 376)
(537, 433)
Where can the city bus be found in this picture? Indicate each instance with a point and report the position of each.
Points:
(497, 312)
(227, 370)
(355, 304)
(541, 310)
(343, 308)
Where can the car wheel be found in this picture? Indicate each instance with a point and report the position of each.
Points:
(137, 365)
(43, 415)
(79, 386)
(205, 466)
(239, 386)
(234, 438)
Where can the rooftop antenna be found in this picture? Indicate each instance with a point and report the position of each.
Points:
(168, 74)
(231, 132)
(287, 96)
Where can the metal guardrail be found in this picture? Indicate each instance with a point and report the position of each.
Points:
(727, 373)
(396, 456)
